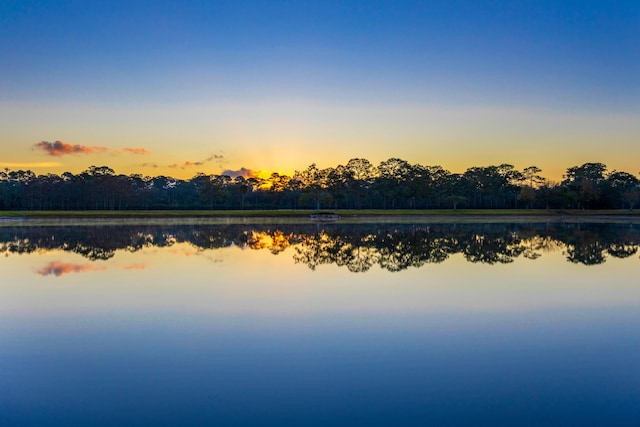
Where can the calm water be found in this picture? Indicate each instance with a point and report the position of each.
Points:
(319, 324)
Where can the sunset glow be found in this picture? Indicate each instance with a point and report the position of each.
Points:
(193, 88)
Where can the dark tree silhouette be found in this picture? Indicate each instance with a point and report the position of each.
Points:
(393, 184)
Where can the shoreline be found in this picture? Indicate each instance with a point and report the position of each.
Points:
(307, 212)
(41, 218)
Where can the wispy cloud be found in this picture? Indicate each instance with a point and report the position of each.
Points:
(215, 157)
(186, 165)
(136, 150)
(190, 164)
(60, 148)
(59, 268)
(149, 165)
(243, 172)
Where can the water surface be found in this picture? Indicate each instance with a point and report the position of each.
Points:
(320, 324)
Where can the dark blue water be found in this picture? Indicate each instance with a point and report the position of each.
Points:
(576, 368)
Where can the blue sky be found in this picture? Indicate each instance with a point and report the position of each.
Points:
(344, 74)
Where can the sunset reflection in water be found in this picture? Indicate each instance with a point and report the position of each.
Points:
(331, 325)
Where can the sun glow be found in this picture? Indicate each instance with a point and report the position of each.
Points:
(275, 241)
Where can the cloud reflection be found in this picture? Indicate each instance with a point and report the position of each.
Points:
(60, 268)
(136, 267)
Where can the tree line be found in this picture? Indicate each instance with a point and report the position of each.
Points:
(393, 184)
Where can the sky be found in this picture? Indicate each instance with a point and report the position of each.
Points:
(181, 87)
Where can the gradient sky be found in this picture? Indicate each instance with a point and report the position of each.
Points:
(172, 87)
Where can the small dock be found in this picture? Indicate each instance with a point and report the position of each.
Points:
(324, 216)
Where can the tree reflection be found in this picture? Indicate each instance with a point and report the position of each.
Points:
(492, 250)
(535, 245)
(357, 247)
(617, 250)
(586, 247)
(315, 250)
(403, 249)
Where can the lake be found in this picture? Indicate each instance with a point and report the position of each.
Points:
(246, 322)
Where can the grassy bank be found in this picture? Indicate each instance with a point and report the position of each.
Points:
(306, 213)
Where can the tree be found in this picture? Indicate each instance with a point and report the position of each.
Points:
(394, 183)
(313, 183)
(393, 175)
(256, 185)
(360, 173)
(585, 182)
(432, 183)
(99, 187)
(454, 186)
(530, 175)
(624, 189)
(511, 180)
(337, 181)
(527, 195)
(242, 187)
(491, 186)
(455, 200)
(592, 171)
(215, 190)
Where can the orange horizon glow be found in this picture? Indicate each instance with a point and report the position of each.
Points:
(189, 170)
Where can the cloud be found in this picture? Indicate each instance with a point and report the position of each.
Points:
(149, 165)
(59, 268)
(214, 157)
(189, 164)
(60, 148)
(186, 165)
(243, 172)
(136, 150)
